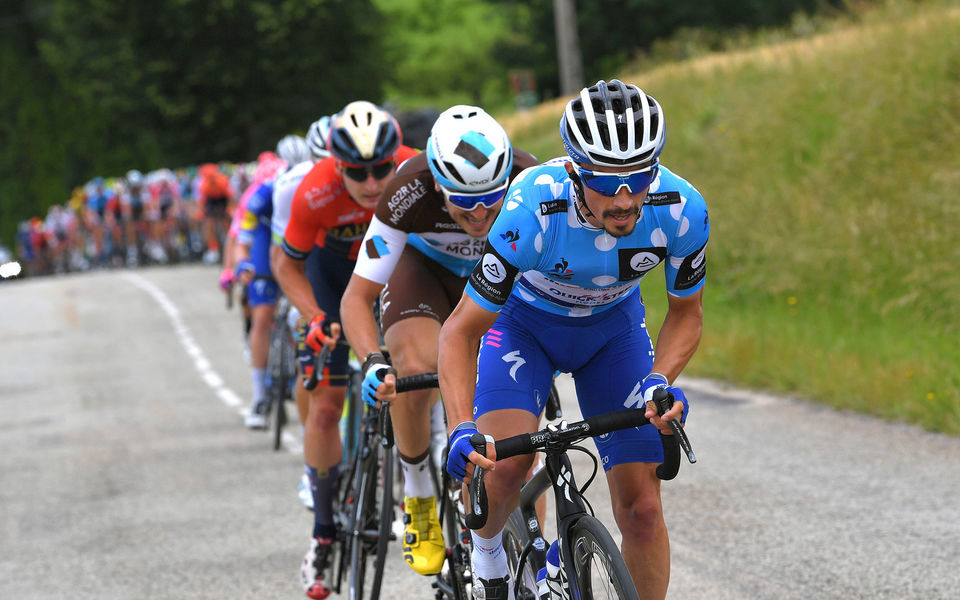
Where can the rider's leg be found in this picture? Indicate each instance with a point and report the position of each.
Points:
(413, 350)
(637, 508)
(323, 452)
(261, 324)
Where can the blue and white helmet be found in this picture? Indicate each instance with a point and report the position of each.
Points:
(613, 124)
(469, 151)
(317, 138)
(293, 149)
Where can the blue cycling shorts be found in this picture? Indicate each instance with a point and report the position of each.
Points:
(263, 290)
(608, 354)
(328, 273)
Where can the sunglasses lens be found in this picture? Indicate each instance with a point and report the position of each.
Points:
(609, 184)
(382, 170)
(471, 202)
(360, 174)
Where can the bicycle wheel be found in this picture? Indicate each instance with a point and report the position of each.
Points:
(385, 508)
(281, 383)
(455, 581)
(373, 522)
(515, 539)
(597, 562)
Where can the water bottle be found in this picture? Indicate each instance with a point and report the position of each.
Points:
(548, 578)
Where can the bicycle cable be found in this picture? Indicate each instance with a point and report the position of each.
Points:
(596, 467)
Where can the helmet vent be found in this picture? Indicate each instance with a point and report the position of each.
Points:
(500, 160)
(453, 172)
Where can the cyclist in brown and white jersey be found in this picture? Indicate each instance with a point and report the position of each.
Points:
(427, 235)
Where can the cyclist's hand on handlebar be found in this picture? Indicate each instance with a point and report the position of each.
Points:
(462, 456)
(322, 332)
(379, 379)
(245, 272)
(678, 410)
(226, 279)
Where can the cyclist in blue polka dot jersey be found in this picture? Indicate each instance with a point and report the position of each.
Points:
(557, 289)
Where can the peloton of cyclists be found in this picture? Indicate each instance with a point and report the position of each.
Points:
(445, 200)
(578, 233)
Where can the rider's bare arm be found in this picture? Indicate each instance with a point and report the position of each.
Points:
(680, 334)
(457, 365)
(356, 315)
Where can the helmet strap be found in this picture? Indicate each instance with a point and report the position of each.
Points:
(580, 201)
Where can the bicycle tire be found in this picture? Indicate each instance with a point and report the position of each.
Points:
(384, 505)
(457, 577)
(374, 512)
(588, 539)
(515, 539)
(358, 555)
(281, 383)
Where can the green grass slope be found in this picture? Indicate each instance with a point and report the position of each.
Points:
(831, 168)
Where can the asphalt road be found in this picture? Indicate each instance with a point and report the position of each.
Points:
(126, 472)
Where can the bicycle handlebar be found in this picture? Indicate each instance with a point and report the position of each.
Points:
(570, 434)
(424, 381)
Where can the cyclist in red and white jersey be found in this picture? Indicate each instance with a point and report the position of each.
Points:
(331, 211)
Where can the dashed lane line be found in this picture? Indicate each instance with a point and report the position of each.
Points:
(230, 398)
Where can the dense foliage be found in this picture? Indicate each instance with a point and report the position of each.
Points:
(99, 86)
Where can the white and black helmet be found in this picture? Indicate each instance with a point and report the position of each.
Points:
(317, 137)
(469, 151)
(293, 149)
(613, 124)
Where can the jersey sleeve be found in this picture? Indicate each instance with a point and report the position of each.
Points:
(298, 239)
(380, 251)
(686, 266)
(513, 246)
(256, 205)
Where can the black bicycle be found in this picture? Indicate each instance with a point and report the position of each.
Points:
(455, 580)
(590, 561)
(364, 508)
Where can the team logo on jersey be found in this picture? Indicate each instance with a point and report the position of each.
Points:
(635, 262)
(376, 247)
(692, 270)
(560, 270)
(662, 198)
(493, 269)
(511, 237)
(553, 206)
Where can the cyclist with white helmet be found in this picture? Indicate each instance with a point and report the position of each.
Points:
(329, 215)
(252, 254)
(445, 200)
(557, 289)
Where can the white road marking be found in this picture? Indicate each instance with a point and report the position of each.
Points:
(203, 366)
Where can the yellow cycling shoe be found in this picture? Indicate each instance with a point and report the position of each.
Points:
(423, 547)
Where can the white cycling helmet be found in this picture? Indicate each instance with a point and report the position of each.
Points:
(293, 149)
(469, 151)
(613, 124)
(134, 177)
(363, 134)
(317, 137)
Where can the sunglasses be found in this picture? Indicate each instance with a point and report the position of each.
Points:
(360, 174)
(608, 184)
(470, 202)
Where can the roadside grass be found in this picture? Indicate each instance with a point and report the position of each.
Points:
(830, 166)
